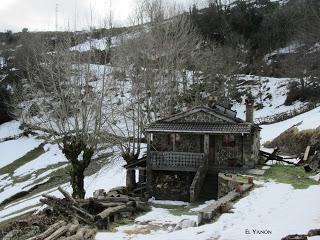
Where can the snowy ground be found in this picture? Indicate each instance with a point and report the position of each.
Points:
(275, 207)
(270, 91)
(108, 177)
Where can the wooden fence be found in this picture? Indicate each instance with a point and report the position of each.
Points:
(286, 115)
(179, 161)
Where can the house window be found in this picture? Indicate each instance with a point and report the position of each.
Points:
(228, 141)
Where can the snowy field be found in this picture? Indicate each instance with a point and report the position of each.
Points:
(273, 206)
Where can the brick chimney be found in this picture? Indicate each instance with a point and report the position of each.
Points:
(249, 110)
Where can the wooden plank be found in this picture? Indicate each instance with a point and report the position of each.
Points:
(306, 154)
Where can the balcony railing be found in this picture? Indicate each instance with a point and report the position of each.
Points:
(176, 161)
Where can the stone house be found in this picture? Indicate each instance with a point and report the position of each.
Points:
(186, 151)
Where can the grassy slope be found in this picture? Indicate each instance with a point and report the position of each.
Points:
(296, 176)
(28, 157)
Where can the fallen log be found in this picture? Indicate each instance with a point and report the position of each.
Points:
(58, 233)
(103, 204)
(85, 213)
(80, 234)
(107, 212)
(49, 231)
(67, 195)
(113, 199)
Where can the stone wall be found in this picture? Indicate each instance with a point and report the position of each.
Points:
(226, 183)
(251, 149)
(226, 156)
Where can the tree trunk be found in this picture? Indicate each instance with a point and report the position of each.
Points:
(77, 181)
(79, 155)
(131, 179)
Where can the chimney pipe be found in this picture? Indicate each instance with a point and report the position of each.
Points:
(212, 101)
(249, 110)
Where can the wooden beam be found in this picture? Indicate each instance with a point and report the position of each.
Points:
(306, 154)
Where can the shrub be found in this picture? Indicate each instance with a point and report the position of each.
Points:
(294, 141)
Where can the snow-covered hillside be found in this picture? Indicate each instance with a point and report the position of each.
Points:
(27, 162)
(103, 43)
(269, 92)
(308, 120)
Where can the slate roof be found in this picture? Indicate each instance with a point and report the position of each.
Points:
(200, 127)
(217, 110)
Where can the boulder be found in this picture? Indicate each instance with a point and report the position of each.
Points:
(295, 237)
(314, 232)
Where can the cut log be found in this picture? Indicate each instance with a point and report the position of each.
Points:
(109, 211)
(90, 233)
(113, 199)
(58, 233)
(73, 229)
(85, 213)
(67, 195)
(80, 235)
(105, 204)
(49, 231)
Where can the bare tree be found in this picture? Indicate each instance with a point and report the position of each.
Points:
(148, 77)
(65, 100)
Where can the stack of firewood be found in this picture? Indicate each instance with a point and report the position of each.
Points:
(99, 211)
(63, 231)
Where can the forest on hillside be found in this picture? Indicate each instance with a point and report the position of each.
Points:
(227, 40)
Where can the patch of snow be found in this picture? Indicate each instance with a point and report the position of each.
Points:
(202, 206)
(292, 48)
(99, 44)
(15, 149)
(168, 202)
(12, 189)
(265, 167)
(316, 177)
(315, 48)
(10, 129)
(163, 216)
(53, 155)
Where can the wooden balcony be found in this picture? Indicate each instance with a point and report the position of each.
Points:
(176, 161)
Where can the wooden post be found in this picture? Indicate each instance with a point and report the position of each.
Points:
(242, 150)
(206, 147)
(148, 165)
(306, 154)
